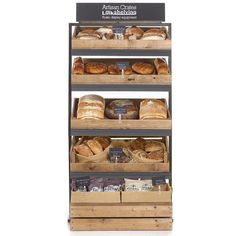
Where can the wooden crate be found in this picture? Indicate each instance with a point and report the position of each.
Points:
(119, 124)
(119, 44)
(121, 210)
(95, 197)
(150, 196)
(108, 224)
(134, 79)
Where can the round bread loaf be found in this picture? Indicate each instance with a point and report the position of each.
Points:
(143, 68)
(130, 109)
(114, 70)
(156, 155)
(88, 34)
(136, 144)
(152, 146)
(83, 150)
(154, 34)
(95, 68)
(95, 146)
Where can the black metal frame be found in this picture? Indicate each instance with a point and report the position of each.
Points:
(89, 87)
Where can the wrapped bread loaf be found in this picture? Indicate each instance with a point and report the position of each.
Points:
(129, 109)
(91, 106)
(151, 109)
(161, 66)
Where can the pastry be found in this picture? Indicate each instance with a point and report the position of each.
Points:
(91, 106)
(133, 33)
(95, 146)
(153, 146)
(154, 34)
(136, 144)
(161, 66)
(83, 150)
(143, 68)
(156, 155)
(78, 67)
(126, 108)
(95, 68)
(104, 141)
(114, 70)
(152, 109)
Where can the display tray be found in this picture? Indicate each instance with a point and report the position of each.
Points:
(95, 197)
(106, 78)
(106, 166)
(121, 210)
(119, 44)
(112, 224)
(150, 196)
(119, 124)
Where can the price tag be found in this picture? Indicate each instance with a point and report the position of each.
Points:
(122, 65)
(120, 110)
(158, 180)
(118, 29)
(115, 154)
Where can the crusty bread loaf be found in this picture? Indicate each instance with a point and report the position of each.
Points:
(143, 68)
(104, 141)
(161, 66)
(133, 32)
(152, 109)
(104, 30)
(154, 34)
(128, 105)
(152, 146)
(156, 155)
(88, 34)
(138, 143)
(83, 150)
(114, 70)
(95, 146)
(95, 68)
(78, 67)
(140, 153)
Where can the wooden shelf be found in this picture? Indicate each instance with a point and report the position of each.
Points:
(121, 210)
(109, 224)
(119, 167)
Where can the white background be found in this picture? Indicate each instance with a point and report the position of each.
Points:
(33, 127)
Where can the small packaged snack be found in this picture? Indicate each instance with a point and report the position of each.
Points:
(96, 184)
(112, 185)
(133, 185)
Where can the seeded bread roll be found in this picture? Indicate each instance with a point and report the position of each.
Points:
(95, 68)
(152, 109)
(95, 146)
(129, 107)
(156, 155)
(78, 67)
(83, 150)
(153, 146)
(143, 68)
(104, 141)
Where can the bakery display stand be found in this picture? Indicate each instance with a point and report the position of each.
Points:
(116, 210)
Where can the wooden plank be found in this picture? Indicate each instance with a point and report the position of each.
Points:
(116, 79)
(95, 197)
(107, 224)
(121, 210)
(119, 167)
(123, 124)
(121, 44)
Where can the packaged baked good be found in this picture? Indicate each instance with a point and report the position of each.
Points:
(152, 109)
(126, 109)
(96, 184)
(112, 184)
(143, 68)
(162, 67)
(133, 185)
(95, 68)
(80, 184)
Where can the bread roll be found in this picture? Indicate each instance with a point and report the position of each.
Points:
(133, 33)
(128, 105)
(152, 109)
(78, 67)
(95, 146)
(153, 146)
(83, 150)
(143, 68)
(156, 155)
(95, 68)
(104, 141)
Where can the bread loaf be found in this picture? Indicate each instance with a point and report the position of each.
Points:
(156, 155)
(152, 109)
(154, 34)
(95, 68)
(133, 33)
(95, 146)
(104, 141)
(130, 109)
(78, 67)
(151, 146)
(136, 144)
(143, 68)
(88, 34)
(83, 150)
(91, 106)
(161, 66)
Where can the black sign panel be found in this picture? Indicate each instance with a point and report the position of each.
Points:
(120, 11)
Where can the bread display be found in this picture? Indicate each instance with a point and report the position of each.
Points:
(151, 109)
(133, 33)
(95, 68)
(161, 66)
(91, 106)
(114, 70)
(78, 67)
(154, 34)
(125, 108)
(143, 68)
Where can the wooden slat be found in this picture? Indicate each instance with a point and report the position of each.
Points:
(122, 210)
(119, 167)
(121, 224)
(121, 44)
(95, 197)
(116, 79)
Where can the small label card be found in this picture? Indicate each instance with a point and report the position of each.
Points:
(115, 154)
(120, 110)
(122, 65)
(158, 180)
(118, 29)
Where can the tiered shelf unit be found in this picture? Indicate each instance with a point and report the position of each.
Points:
(120, 216)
